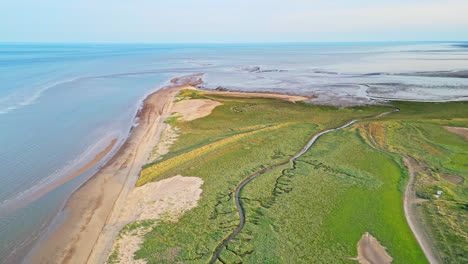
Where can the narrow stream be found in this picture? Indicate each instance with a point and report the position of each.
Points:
(291, 160)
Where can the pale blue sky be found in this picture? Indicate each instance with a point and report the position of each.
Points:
(232, 20)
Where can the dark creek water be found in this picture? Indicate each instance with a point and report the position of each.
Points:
(291, 160)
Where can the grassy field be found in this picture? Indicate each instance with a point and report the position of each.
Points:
(443, 156)
(315, 211)
(339, 190)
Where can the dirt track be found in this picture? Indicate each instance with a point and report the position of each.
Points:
(409, 202)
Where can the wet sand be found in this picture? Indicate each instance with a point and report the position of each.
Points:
(92, 207)
(48, 188)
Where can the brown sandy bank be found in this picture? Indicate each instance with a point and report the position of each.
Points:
(370, 251)
(90, 209)
(461, 131)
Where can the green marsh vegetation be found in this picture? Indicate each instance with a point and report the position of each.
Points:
(442, 159)
(313, 212)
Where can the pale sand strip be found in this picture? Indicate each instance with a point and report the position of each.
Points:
(90, 208)
(182, 192)
(167, 199)
(194, 108)
(189, 110)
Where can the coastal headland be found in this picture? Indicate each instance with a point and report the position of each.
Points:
(92, 215)
(219, 176)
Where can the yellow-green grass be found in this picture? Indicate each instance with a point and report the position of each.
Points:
(152, 172)
(199, 231)
(317, 211)
(420, 135)
(313, 212)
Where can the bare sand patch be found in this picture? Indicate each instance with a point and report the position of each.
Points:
(170, 197)
(370, 251)
(286, 97)
(462, 131)
(168, 137)
(454, 179)
(194, 108)
(164, 200)
(187, 110)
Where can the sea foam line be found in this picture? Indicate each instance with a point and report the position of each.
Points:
(38, 93)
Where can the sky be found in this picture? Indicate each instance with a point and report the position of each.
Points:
(190, 21)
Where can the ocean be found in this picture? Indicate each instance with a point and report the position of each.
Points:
(62, 104)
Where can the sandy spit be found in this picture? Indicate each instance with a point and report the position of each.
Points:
(87, 233)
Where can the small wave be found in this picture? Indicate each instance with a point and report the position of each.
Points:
(38, 93)
(34, 97)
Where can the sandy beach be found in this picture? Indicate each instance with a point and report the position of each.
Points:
(90, 209)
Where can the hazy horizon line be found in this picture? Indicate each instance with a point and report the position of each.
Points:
(246, 42)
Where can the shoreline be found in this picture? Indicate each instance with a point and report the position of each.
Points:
(89, 208)
(98, 158)
(92, 211)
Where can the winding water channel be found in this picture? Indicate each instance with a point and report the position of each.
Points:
(291, 160)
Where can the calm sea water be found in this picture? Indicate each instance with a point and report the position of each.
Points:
(61, 104)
